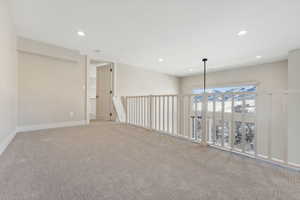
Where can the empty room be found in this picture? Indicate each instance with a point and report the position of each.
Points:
(154, 100)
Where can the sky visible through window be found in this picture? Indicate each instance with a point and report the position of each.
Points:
(244, 88)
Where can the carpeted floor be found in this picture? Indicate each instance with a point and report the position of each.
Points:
(111, 161)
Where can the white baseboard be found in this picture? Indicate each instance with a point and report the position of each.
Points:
(294, 164)
(7, 140)
(49, 126)
(273, 161)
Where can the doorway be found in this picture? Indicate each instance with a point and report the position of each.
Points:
(100, 91)
(104, 92)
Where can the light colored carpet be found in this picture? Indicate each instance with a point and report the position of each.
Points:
(111, 161)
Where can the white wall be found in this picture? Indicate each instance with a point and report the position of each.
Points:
(271, 77)
(294, 106)
(8, 76)
(134, 81)
(51, 85)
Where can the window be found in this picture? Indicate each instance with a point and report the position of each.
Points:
(243, 88)
(243, 125)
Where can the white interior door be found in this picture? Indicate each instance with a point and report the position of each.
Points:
(104, 106)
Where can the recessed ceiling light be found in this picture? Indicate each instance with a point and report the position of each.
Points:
(160, 60)
(242, 33)
(190, 69)
(81, 33)
(258, 57)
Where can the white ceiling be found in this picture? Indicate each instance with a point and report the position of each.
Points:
(182, 32)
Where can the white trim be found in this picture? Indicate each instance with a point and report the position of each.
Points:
(65, 59)
(47, 50)
(294, 164)
(114, 81)
(273, 161)
(6, 141)
(87, 87)
(52, 125)
(262, 156)
(277, 160)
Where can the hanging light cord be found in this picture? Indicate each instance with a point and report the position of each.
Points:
(204, 60)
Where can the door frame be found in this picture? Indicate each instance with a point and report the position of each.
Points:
(108, 70)
(87, 84)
